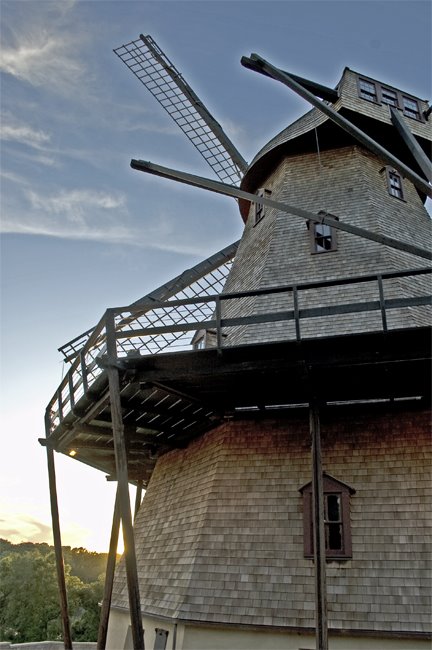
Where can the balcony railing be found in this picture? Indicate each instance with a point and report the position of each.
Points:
(170, 325)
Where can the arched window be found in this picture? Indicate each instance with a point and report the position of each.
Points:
(337, 525)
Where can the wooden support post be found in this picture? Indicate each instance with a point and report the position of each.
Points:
(318, 531)
(109, 577)
(138, 498)
(67, 638)
(123, 488)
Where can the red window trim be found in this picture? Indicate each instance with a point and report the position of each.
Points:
(330, 486)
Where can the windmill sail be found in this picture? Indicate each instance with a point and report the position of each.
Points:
(153, 68)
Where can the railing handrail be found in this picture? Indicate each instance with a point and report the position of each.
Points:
(301, 286)
(74, 379)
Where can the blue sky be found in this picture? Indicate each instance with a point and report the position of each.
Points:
(81, 231)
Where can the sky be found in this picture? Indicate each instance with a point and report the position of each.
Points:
(81, 231)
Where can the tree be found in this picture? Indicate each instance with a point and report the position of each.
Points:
(28, 596)
(29, 601)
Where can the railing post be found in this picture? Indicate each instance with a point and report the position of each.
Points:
(296, 312)
(218, 314)
(83, 371)
(60, 403)
(71, 389)
(382, 302)
(123, 483)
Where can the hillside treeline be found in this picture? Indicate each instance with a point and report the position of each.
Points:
(29, 600)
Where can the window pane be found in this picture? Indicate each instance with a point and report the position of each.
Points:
(367, 90)
(411, 108)
(388, 97)
(334, 537)
(333, 507)
(395, 185)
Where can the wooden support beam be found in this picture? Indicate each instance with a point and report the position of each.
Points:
(109, 576)
(138, 498)
(123, 489)
(321, 630)
(422, 160)
(321, 217)
(326, 93)
(67, 638)
(259, 64)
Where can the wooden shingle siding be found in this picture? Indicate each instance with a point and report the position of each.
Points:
(221, 527)
(348, 183)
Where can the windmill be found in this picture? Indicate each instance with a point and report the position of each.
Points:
(319, 319)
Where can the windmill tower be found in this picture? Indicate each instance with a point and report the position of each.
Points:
(285, 451)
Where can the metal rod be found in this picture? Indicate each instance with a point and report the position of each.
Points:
(123, 488)
(259, 64)
(321, 632)
(230, 190)
(67, 638)
(109, 576)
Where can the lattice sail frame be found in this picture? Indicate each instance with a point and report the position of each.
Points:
(205, 279)
(158, 74)
(209, 285)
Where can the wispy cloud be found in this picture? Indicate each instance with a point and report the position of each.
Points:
(40, 50)
(76, 204)
(72, 214)
(24, 134)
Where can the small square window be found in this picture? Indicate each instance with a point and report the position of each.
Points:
(389, 97)
(260, 210)
(411, 108)
(368, 90)
(394, 183)
(322, 237)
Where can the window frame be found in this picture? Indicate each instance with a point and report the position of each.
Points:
(259, 209)
(331, 486)
(399, 96)
(391, 172)
(312, 227)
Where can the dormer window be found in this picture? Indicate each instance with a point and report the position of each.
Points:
(337, 525)
(373, 91)
(394, 183)
(411, 108)
(389, 97)
(260, 210)
(368, 90)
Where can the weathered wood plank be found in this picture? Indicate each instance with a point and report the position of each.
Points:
(67, 638)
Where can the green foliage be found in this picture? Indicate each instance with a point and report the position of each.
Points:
(87, 565)
(29, 599)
